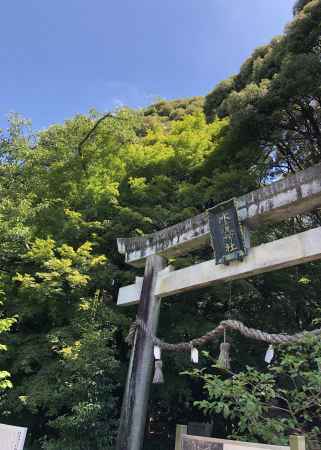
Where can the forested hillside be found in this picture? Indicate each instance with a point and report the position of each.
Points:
(68, 192)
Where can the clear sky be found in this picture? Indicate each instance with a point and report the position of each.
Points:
(61, 57)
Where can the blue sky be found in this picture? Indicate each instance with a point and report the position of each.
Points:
(63, 57)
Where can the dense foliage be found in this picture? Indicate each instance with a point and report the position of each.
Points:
(5, 325)
(67, 192)
(269, 405)
(274, 102)
(63, 205)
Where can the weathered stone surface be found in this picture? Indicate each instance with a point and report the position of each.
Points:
(285, 198)
(132, 292)
(178, 239)
(278, 201)
(290, 251)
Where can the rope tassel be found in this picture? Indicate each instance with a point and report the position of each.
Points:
(224, 360)
(158, 374)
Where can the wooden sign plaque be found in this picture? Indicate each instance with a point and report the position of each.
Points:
(226, 234)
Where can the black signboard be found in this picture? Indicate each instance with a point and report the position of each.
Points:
(226, 233)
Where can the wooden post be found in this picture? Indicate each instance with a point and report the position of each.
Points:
(297, 442)
(180, 430)
(135, 400)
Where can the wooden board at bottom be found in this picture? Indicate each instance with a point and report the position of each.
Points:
(204, 443)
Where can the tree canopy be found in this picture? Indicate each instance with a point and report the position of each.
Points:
(274, 101)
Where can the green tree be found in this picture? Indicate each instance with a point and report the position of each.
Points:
(5, 326)
(67, 193)
(268, 405)
(299, 5)
(274, 101)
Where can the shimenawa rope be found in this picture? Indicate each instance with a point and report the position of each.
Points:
(235, 325)
(224, 358)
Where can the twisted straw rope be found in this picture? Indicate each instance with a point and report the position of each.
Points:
(211, 335)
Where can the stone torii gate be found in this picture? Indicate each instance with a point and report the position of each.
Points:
(227, 227)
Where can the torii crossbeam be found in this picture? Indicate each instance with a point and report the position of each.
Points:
(295, 194)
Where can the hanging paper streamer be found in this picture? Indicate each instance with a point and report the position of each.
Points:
(269, 355)
(157, 352)
(194, 355)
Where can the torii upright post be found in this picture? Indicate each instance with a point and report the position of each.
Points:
(135, 401)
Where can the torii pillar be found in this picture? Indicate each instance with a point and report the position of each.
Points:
(136, 395)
